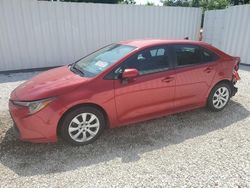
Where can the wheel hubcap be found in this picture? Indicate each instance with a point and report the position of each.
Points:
(220, 97)
(84, 127)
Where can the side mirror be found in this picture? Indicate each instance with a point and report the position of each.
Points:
(130, 73)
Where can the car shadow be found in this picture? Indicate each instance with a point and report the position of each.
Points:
(126, 143)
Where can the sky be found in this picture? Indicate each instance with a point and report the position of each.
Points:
(156, 2)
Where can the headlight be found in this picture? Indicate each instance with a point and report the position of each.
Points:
(34, 106)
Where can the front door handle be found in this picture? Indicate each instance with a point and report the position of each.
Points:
(168, 79)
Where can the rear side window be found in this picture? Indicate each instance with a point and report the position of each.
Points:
(187, 55)
(208, 56)
(192, 55)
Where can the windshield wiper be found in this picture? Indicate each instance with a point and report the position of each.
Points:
(76, 68)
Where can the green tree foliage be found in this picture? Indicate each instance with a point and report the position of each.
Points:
(127, 1)
(239, 2)
(205, 4)
(176, 3)
(195, 3)
(150, 4)
(214, 4)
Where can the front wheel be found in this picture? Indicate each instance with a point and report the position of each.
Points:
(82, 125)
(219, 97)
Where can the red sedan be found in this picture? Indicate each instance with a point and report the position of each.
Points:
(120, 84)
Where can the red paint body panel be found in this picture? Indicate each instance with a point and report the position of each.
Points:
(143, 97)
(50, 83)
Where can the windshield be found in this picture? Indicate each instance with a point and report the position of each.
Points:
(100, 60)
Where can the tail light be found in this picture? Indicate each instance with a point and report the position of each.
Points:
(236, 66)
(236, 76)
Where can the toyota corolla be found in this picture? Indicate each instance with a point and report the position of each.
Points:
(120, 84)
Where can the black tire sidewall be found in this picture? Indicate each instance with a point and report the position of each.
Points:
(68, 118)
(210, 104)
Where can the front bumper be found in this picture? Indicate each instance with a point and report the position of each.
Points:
(16, 131)
(37, 128)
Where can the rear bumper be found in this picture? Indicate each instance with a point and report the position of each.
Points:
(235, 78)
(234, 90)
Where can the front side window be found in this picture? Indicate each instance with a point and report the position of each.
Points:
(100, 60)
(147, 61)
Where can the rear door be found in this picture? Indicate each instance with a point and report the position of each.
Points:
(195, 70)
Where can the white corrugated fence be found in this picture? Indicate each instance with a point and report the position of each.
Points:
(229, 30)
(37, 34)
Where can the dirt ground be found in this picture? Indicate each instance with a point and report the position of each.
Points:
(192, 149)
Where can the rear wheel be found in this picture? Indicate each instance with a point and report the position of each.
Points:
(219, 97)
(82, 125)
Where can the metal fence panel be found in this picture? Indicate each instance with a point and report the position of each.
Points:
(229, 30)
(37, 34)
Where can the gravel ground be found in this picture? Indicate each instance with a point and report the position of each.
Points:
(191, 149)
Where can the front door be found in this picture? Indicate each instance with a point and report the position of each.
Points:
(152, 92)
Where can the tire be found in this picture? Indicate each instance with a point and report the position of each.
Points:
(220, 93)
(77, 131)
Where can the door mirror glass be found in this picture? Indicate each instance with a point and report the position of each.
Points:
(130, 73)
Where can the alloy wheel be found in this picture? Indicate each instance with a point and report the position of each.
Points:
(220, 97)
(84, 127)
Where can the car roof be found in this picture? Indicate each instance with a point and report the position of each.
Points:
(143, 43)
(151, 42)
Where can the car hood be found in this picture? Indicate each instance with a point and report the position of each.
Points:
(48, 84)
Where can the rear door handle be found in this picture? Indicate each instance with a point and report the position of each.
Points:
(208, 69)
(168, 79)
